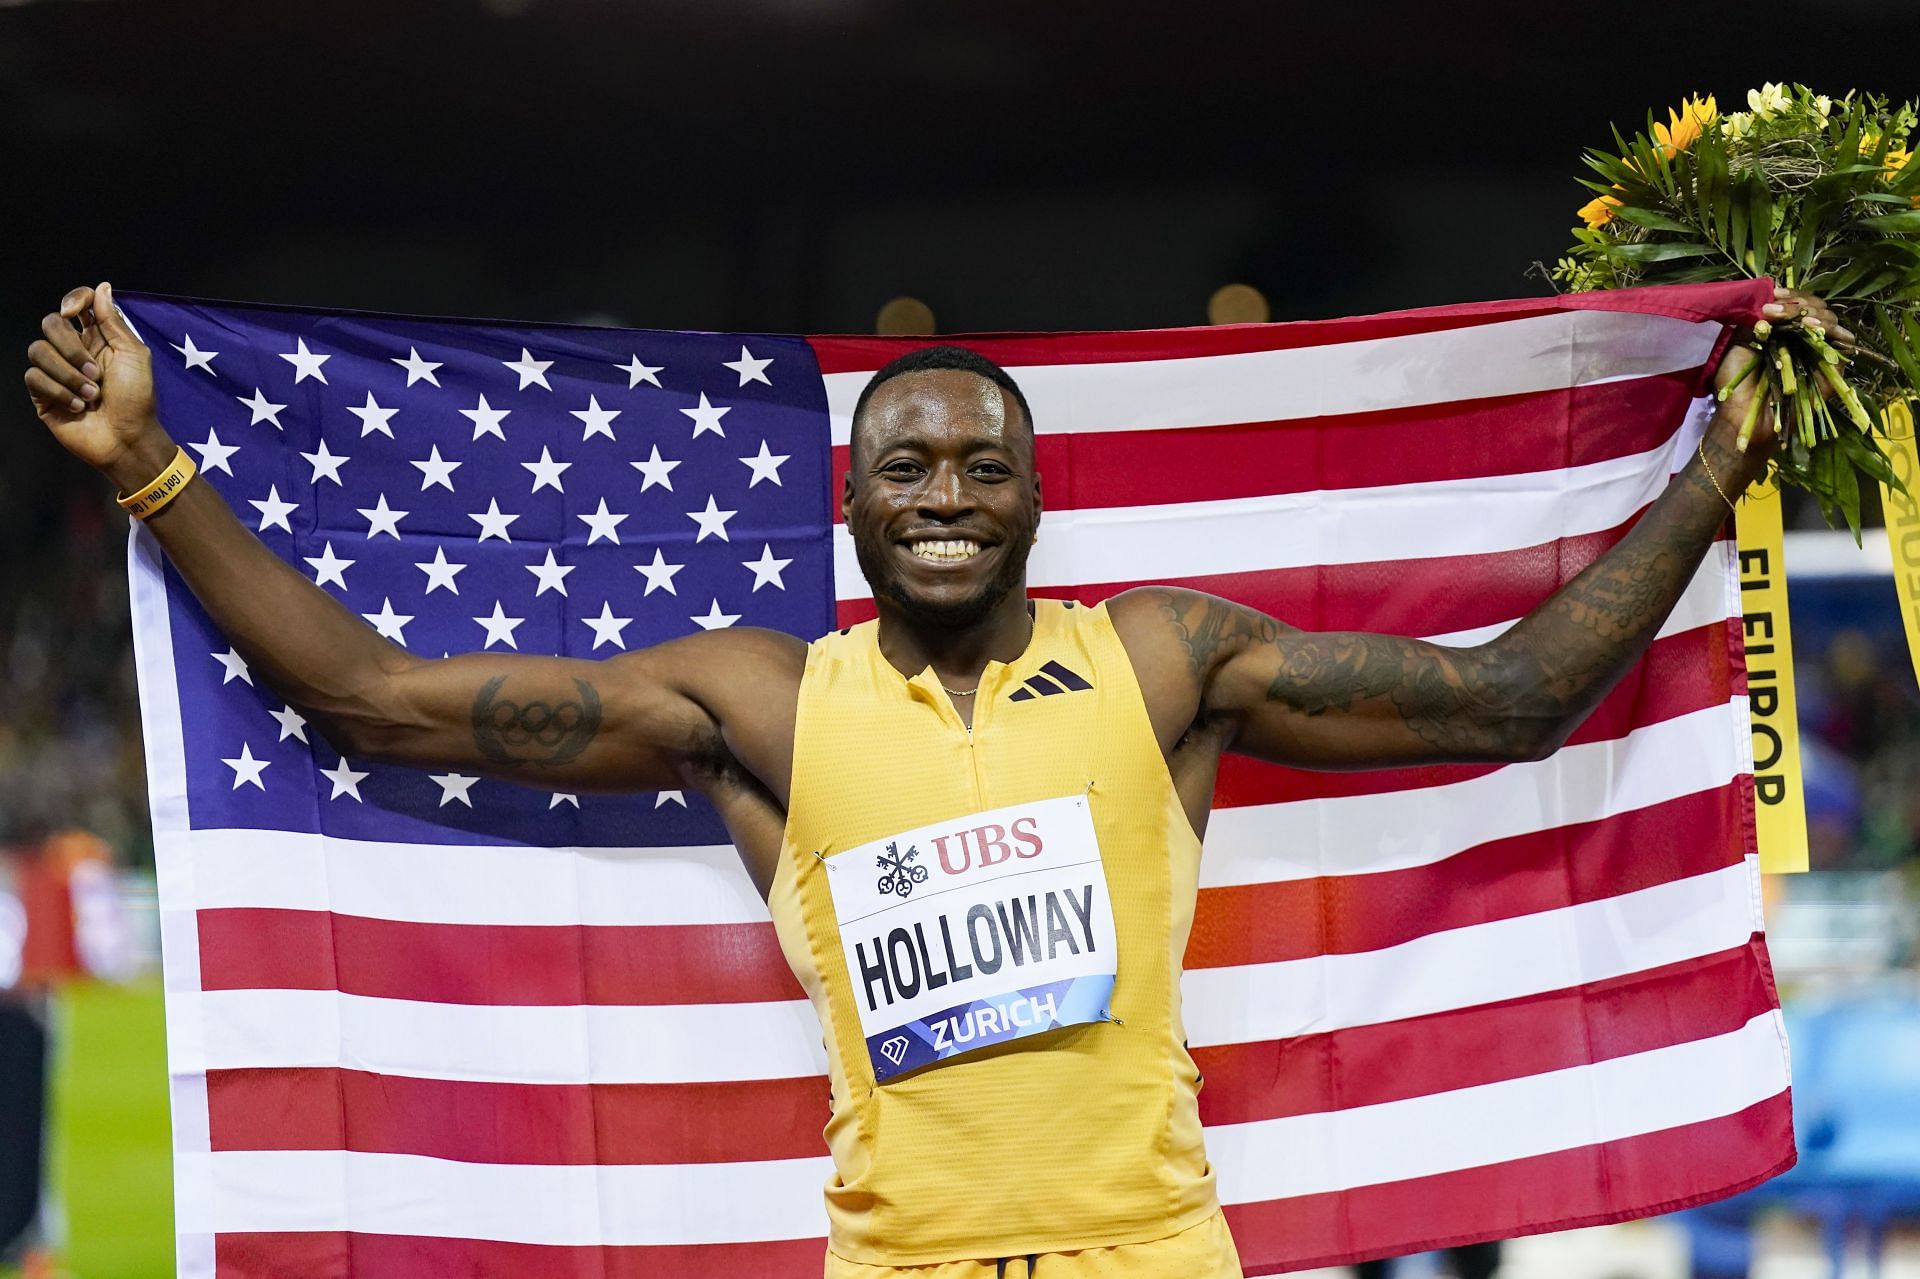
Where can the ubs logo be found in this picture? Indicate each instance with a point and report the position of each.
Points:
(900, 874)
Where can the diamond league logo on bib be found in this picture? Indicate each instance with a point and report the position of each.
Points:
(1006, 931)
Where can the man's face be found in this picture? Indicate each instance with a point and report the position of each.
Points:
(941, 498)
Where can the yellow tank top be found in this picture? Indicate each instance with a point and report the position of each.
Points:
(1078, 1137)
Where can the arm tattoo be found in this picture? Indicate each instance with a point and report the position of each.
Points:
(1451, 698)
(539, 733)
(1208, 625)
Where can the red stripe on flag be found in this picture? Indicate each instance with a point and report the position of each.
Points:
(321, 1108)
(1466, 1047)
(254, 948)
(1739, 300)
(340, 1254)
(1652, 1173)
(1539, 871)
(1423, 443)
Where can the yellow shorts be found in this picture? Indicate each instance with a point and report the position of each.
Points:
(1203, 1251)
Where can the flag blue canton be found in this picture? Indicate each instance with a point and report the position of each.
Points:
(470, 487)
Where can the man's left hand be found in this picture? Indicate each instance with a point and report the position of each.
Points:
(1789, 306)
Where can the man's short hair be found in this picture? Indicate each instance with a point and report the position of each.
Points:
(943, 357)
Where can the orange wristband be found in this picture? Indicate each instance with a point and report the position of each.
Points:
(163, 489)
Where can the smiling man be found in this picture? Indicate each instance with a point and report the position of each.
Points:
(976, 820)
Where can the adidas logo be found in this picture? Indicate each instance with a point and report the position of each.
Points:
(1048, 680)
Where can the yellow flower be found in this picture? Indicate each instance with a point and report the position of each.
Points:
(1897, 158)
(1598, 211)
(1768, 100)
(1684, 125)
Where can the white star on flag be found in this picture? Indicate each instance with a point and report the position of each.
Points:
(499, 627)
(373, 417)
(453, 786)
(263, 409)
(273, 511)
(436, 470)
(418, 370)
(196, 358)
(325, 463)
(389, 623)
(552, 575)
(345, 781)
(247, 769)
(546, 472)
(637, 372)
(655, 470)
(765, 464)
(603, 523)
(607, 627)
(440, 571)
(383, 519)
(670, 797)
(306, 364)
(750, 369)
(715, 619)
(712, 520)
(292, 723)
(562, 797)
(486, 419)
(532, 372)
(214, 454)
(598, 421)
(329, 567)
(659, 574)
(236, 667)
(493, 522)
(706, 417)
(766, 569)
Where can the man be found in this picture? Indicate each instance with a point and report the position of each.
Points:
(1011, 1089)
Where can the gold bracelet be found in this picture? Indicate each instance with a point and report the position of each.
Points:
(149, 498)
(1710, 476)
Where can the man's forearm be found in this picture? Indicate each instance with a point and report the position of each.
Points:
(1564, 656)
(300, 640)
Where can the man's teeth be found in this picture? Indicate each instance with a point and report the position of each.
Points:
(959, 550)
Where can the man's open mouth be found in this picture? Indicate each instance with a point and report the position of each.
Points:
(946, 551)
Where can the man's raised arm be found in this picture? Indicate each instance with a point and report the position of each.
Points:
(1348, 700)
(646, 720)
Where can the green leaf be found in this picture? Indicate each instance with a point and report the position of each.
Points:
(1760, 226)
(1737, 230)
(1891, 223)
(1904, 354)
(1652, 218)
(1644, 252)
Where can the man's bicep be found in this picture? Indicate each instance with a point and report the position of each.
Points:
(1353, 699)
(631, 722)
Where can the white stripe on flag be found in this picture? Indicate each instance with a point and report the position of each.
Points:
(1393, 830)
(1479, 964)
(565, 1044)
(469, 883)
(1513, 1119)
(1704, 600)
(565, 1204)
(1484, 516)
(1507, 357)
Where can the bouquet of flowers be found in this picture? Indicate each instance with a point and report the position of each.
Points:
(1814, 191)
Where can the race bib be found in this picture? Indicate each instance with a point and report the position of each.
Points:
(974, 931)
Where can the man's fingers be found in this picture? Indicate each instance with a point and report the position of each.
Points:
(65, 339)
(111, 322)
(76, 301)
(60, 372)
(49, 395)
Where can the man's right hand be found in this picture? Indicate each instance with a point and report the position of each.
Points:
(91, 381)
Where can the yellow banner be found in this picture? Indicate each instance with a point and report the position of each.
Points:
(1903, 522)
(1779, 802)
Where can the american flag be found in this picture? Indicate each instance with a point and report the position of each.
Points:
(427, 1023)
